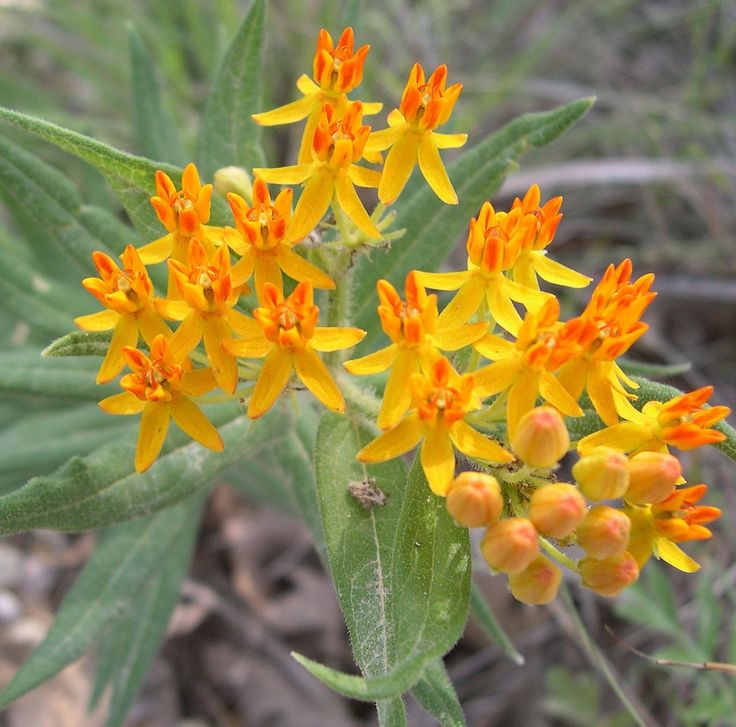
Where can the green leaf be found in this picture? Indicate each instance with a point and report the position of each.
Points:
(644, 368)
(432, 226)
(108, 588)
(391, 713)
(434, 691)
(43, 192)
(401, 570)
(101, 488)
(156, 136)
(79, 343)
(487, 619)
(229, 137)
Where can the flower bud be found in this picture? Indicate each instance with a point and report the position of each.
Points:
(510, 545)
(537, 583)
(557, 509)
(541, 439)
(604, 532)
(474, 499)
(652, 477)
(234, 179)
(602, 473)
(609, 576)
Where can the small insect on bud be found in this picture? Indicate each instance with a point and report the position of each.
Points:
(652, 477)
(510, 545)
(609, 576)
(604, 532)
(234, 179)
(537, 583)
(474, 499)
(602, 473)
(541, 439)
(557, 509)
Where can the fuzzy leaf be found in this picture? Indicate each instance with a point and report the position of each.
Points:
(79, 343)
(434, 691)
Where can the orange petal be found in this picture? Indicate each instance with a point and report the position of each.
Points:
(316, 377)
(190, 419)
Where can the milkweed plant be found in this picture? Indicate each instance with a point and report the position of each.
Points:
(251, 307)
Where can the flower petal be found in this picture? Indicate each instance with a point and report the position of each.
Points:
(557, 273)
(476, 445)
(192, 421)
(288, 113)
(496, 377)
(224, 366)
(295, 266)
(122, 403)
(292, 174)
(335, 338)
(104, 320)
(152, 434)
(522, 398)
(317, 378)
(383, 139)
(675, 556)
(241, 323)
(556, 394)
(352, 206)
(403, 437)
(362, 177)
(158, 250)
(249, 347)
(312, 205)
(187, 336)
(463, 306)
(438, 460)
(601, 393)
(451, 339)
(150, 326)
(397, 394)
(373, 363)
(501, 308)
(125, 334)
(448, 141)
(494, 347)
(399, 165)
(443, 281)
(267, 270)
(434, 170)
(198, 382)
(625, 436)
(271, 382)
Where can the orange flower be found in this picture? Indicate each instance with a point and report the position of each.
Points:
(266, 249)
(285, 332)
(415, 335)
(337, 70)
(440, 400)
(210, 291)
(337, 146)
(127, 295)
(161, 389)
(411, 134)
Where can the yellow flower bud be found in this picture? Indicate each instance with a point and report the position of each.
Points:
(604, 532)
(652, 477)
(234, 179)
(474, 499)
(510, 545)
(602, 473)
(537, 583)
(557, 509)
(541, 438)
(609, 576)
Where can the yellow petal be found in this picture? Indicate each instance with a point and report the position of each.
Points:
(304, 156)
(496, 377)
(443, 281)
(434, 170)
(474, 444)
(363, 177)
(403, 437)
(192, 421)
(397, 395)
(316, 377)
(151, 437)
(494, 347)
(399, 165)
(463, 306)
(295, 266)
(267, 270)
(306, 85)
(522, 398)
(187, 336)
(198, 382)
(335, 339)
(249, 347)
(158, 250)
(557, 273)
(271, 382)
(288, 113)
(243, 269)
(293, 174)
(151, 325)
(524, 273)
(351, 205)
(105, 320)
(556, 394)
(500, 305)
(383, 139)
(174, 310)
(448, 141)
(438, 460)
(312, 205)
(125, 334)
(241, 324)
(675, 556)
(123, 403)
(224, 366)
(451, 339)
(374, 362)
(625, 436)
(601, 394)
(371, 107)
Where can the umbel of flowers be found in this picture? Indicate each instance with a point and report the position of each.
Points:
(483, 385)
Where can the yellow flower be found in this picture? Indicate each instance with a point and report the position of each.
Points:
(285, 332)
(525, 368)
(337, 70)
(266, 249)
(127, 295)
(533, 260)
(656, 529)
(493, 245)
(210, 291)
(412, 137)
(440, 400)
(337, 144)
(161, 389)
(415, 335)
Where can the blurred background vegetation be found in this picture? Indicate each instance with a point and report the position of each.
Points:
(649, 174)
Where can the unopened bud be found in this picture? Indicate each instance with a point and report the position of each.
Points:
(557, 509)
(541, 438)
(234, 179)
(604, 532)
(602, 473)
(609, 576)
(652, 477)
(510, 545)
(474, 499)
(537, 583)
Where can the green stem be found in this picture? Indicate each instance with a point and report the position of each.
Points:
(558, 555)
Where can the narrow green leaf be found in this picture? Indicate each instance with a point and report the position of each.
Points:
(391, 713)
(101, 488)
(432, 226)
(643, 368)
(434, 691)
(487, 619)
(156, 136)
(79, 343)
(109, 587)
(229, 136)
